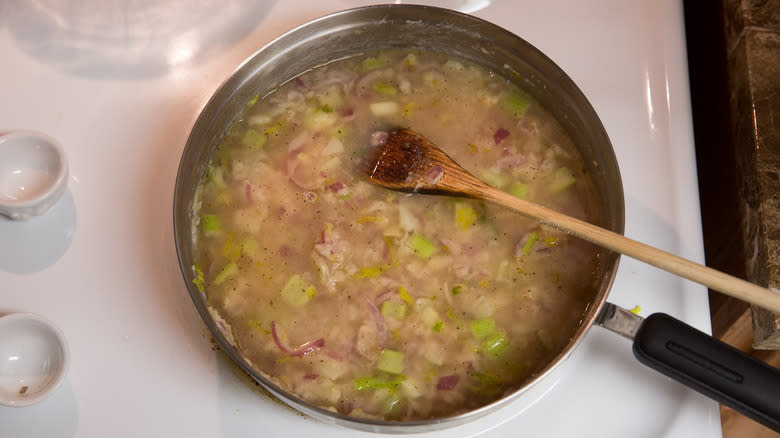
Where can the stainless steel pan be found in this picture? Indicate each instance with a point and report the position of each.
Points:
(660, 341)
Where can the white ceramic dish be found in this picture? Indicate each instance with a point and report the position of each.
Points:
(34, 359)
(33, 174)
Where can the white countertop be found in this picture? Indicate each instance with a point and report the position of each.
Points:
(120, 83)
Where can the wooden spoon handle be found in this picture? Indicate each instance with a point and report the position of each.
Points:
(709, 277)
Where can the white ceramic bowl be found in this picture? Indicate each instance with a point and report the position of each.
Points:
(33, 174)
(34, 359)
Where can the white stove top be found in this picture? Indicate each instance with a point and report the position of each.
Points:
(120, 84)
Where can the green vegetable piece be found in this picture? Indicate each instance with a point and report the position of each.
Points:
(496, 345)
(394, 309)
(377, 382)
(421, 246)
(636, 309)
(437, 327)
(252, 102)
(249, 247)
(465, 215)
(517, 103)
(209, 224)
(391, 361)
(231, 249)
(405, 295)
(253, 139)
(386, 89)
(562, 179)
(519, 190)
(326, 109)
(551, 242)
(215, 176)
(297, 291)
(228, 271)
(494, 178)
(483, 327)
(532, 238)
(372, 63)
(198, 280)
(457, 290)
(271, 130)
(370, 272)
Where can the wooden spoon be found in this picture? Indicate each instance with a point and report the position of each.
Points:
(409, 162)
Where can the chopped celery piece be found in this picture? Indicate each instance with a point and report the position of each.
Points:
(326, 109)
(228, 271)
(378, 382)
(437, 327)
(198, 280)
(494, 178)
(519, 190)
(405, 295)
(465, 216)
(231, 249)
(372, 63)
(386, 89)
(249, 247)
(421, 246)
(209, 223)
(483, 327)
(457, 290)
(297, 291)
(532, 238)
(271, 130)
(496, 345)
(394, 309)
(517, 102)
(562, 179)
(408, 110)
(551, 242)
(370, 272)
(254, 139)
(374, 219)
(391, 361)
(252, 102)
(215, 176)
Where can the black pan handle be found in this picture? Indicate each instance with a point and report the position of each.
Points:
(711, 367)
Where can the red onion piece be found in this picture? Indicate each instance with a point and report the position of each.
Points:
(309, 347)
(500, 135)
(384, 296)
(299, 82)
(278, 341)
(303, 350)
(447, 383)
(248, 192)
(379, 138)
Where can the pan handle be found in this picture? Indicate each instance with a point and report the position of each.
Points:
(711, 367)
